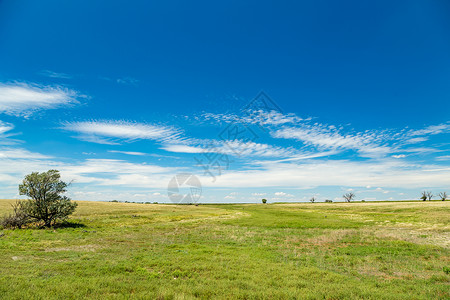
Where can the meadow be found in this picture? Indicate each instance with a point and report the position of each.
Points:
(371, 250)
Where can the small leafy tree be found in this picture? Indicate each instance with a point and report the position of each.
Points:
(264, 201)
(349, 196)
(312, 200)
(47, 204)
(443, 196)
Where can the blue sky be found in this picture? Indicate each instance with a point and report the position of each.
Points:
(123, 95)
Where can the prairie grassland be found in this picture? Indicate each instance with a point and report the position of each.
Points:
(383, 250)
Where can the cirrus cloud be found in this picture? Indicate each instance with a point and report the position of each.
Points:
(112, 132)
(23, 99)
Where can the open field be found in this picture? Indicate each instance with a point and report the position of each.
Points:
(382, 250)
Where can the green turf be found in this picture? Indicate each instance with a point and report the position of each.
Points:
(280, 251)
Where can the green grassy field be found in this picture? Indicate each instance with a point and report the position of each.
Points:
(397, 250)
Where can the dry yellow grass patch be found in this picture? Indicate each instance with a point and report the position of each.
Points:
(418, 236)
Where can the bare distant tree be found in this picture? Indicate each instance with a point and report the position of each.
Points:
(312, 200)
(349, 196)
(424, 196)
(443, 196)
(430, 195)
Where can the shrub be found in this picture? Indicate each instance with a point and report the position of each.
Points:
(446, 270)
(264, 201)
(46, 205)
(328, 201)
(17, 219)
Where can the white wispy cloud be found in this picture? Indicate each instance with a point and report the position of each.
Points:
(113, 132)
(128, 152)
(369, 143)
(8, 152)
(258, 194)
(6, 134)
(234, 147)
(123, 80)
(260, 117)
(4, 128)
(324, 137)
(177, 148)
(272, 118)
(416, 140)
(421, 150)
(443, 157)
(52, 74)
(128, 80)
(22, 99)
(432, 130)
(283, 194)
(257, 149)
(381, 190)
(115, 166)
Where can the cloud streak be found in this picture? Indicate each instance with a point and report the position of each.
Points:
(260, 117)
(5, 134)
(323, 137)
(231, 147)
(128, 152)
(114, 132)
(23, 99)
(52, 74)
(5, 127)
(14, 153)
